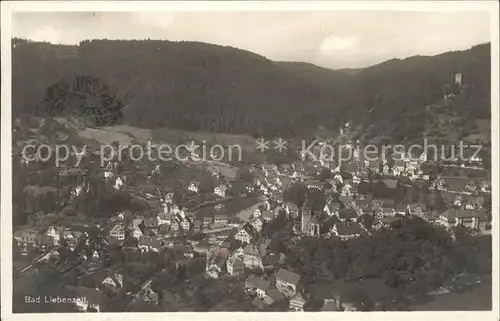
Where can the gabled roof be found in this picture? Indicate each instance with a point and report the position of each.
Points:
(251, 249)
(459, 213)
(289, 277)
(268, 214)
(258, 282)
(333, 206)
(400, 206)
(235, 262)
(390, 182)
(347, 213)
(301, 297)
(456, 184)
(348, 228)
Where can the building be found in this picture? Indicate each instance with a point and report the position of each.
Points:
(332, 208)
(114, 280)
(267, 216)
(287, 282)
(118, 232)
(194, 187)
(416, 208)
(251, 257)
(164, 218)
(25, 237)
(257, 285)
(298, 301)
(221, 219)
(235, 266)
(467, 218)
(207, 221)
(348, 215)
(306, 218)
(257, 224)
(246, 233)
(149, 243)
(220, 190)
(347, 230)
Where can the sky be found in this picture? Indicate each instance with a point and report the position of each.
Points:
(335, 39)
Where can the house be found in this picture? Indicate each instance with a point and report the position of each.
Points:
(287, 282)
(194, 187)
(25, 237)
(332, 208)
(439, 184)
(267, 216)
(364, 206)
(175, 225)
(251, 257)
(398, 167)
(150, 296)
(216, 259)
(431, 217)
(185, 223)
(114, 280)
(88, 299)
(374, 166)
(347, 230)
(118, 232)
(416, 208)
(292, 209)
(390, 183)
(312, 184)
(257, 285)
(149, 243)
(467, 218)
(235, 266)
(270, 261)
(257, 223)
(387, 221)
(220, 190)
(257, 212)
(400, 208)
(245, 234)
(197, 225)
(346, 200)
(347, 215)
(164, 218)
(207, 221)
(274, 296)
(221, 219)
(54, 233)
(136, 232)
(331, 305)
(118, 183)
(461, 185)
(298, 301)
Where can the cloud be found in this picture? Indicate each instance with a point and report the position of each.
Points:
(338, 44)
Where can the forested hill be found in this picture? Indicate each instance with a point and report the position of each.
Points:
(199, 86)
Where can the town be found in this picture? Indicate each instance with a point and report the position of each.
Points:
(241, 242)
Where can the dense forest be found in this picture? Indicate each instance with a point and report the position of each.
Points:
(199, 86)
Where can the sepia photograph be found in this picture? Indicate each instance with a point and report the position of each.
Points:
(249, 157)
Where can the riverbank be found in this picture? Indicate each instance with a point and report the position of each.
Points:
(478, 298)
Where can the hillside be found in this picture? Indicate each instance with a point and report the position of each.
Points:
(203, 87)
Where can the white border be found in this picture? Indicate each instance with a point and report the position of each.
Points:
(6, 194)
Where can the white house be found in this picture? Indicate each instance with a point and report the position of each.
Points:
(118, 183)
(193, 187)
(220, 190)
